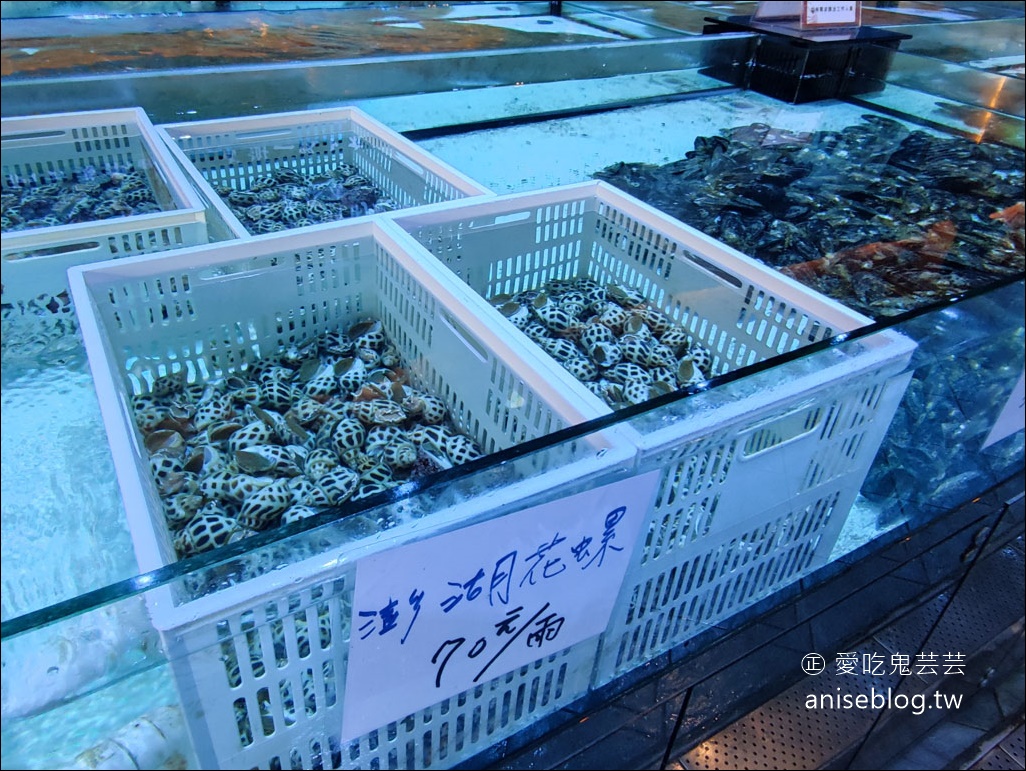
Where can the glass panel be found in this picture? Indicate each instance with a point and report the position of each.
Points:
(96, 683)
(766, 473)
(701, 559)
(936, 453)
(64, 525)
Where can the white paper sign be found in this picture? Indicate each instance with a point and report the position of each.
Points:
(434, 618)
(1011, 418)
(831, 13)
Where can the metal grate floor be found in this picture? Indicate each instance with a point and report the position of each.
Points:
(786, 733)
(1008, 754)
(1015, 745)
(790, 732)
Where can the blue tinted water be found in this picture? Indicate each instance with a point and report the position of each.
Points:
(64, 532)
(64, 529)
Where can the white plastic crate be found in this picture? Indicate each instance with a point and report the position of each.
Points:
(242, 658)
(790, 456)
(35, 261)
(752, 506)
(236, 152)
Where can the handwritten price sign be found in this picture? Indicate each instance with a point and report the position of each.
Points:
(434, 618)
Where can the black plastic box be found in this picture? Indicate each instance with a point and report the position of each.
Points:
(798, 66)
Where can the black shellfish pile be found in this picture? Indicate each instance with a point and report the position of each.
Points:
(969, 359)
(878, 216)
(624, 350)
(317, 426)
(287, 198)
(87, 195)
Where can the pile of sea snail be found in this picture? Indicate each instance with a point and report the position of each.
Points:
(332, 421)
(88, 195)
(624, 350)
(288, 198)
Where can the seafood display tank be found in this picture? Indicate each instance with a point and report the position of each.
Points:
(344, 344)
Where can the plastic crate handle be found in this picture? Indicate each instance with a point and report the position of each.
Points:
(500, 219)
(771, 462)
(781, 430)
(33, 137)
(264, 134)
(75, 247)
(410, 164)
(464, 336)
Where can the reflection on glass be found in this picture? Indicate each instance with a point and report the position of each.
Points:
(251, 647)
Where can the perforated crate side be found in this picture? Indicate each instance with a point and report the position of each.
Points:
(478, 388)
(738, 310)
(715, 577)
(35, 261)
(265, 679)
(236, 152)
(263, 686)
(714, 544)
(58, 146)
(809, 428)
